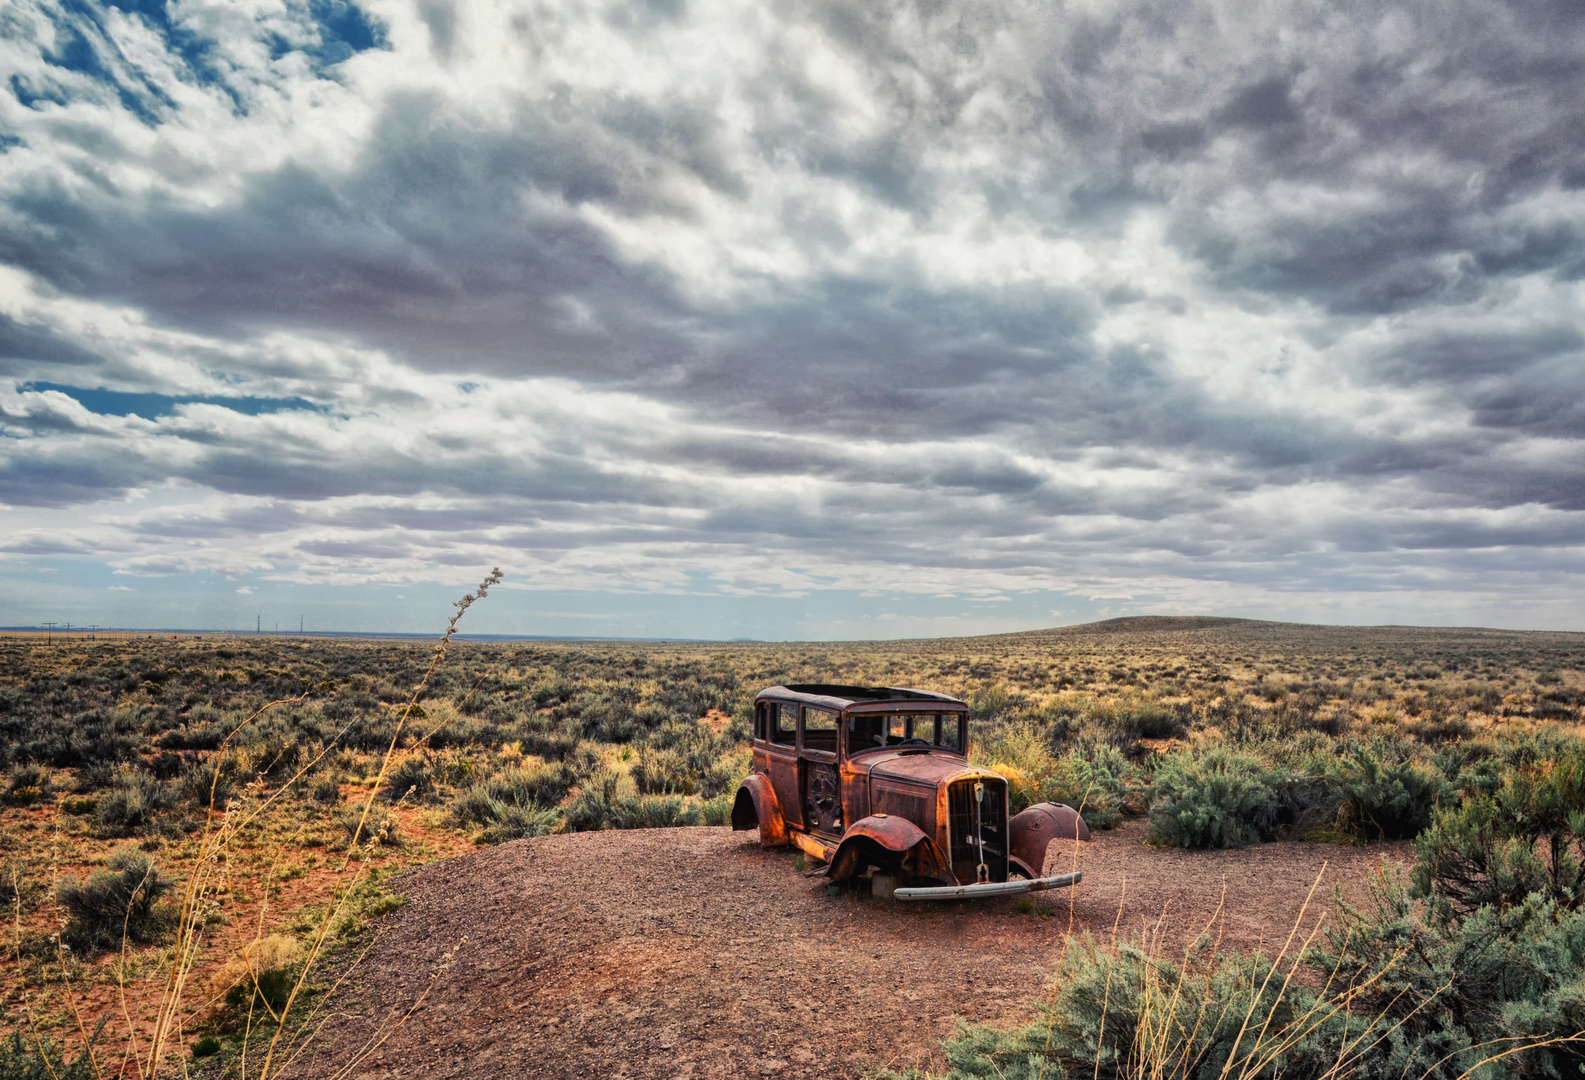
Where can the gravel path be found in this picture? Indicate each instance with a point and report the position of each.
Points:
(692, 953)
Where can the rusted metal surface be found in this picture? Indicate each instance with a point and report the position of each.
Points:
(1033, 830)
(756, 805)
(895, 845)
(813, 846)
(875, 780)
(822, 797)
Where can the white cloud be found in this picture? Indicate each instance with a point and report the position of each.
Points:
(763, 302)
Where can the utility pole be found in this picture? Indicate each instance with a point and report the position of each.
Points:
(299, 626)
(258, 624)
(49, 628)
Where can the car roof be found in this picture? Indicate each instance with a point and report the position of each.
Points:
(841, 697)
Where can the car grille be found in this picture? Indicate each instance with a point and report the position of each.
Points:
(993, 827)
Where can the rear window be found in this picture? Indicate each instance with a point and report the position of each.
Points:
(782, 722)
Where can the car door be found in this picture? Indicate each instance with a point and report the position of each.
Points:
(820, 785)
(781, 759)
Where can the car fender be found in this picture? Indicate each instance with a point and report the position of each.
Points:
(1032, 830)
(756, 805)
(892, 842)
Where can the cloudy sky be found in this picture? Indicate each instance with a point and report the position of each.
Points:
(790, 319)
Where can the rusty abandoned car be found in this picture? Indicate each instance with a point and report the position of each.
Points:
(876, 782)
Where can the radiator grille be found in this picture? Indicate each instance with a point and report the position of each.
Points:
(993, 828)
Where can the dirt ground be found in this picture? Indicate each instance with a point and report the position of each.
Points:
(693, 953)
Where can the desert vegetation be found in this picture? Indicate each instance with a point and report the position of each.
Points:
(266, 767)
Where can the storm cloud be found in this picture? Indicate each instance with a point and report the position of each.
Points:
(1274, 310)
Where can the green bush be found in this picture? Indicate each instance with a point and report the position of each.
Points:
(516, 804)
(1384, 796)
(1121, 1013)
(130, 807)
(503, 819)
(381, 827)
(603, 805)
(1453, 990)
(664, 772)
(1527, 837)
(1090, 782)
(518, 822)
(716, 811)
(1216, 798)
(326, 791)
(208, 783)
(39, 1059)
(410, 779)
(120, 902)
(27, 784)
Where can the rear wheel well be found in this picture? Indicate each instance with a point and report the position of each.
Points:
(745, 815)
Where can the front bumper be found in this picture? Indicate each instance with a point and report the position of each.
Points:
(990, 888)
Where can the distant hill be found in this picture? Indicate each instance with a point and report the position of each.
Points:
(1251, 638)
(1163, 622)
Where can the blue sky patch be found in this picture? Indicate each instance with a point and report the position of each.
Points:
(154, 406)
(344, 31)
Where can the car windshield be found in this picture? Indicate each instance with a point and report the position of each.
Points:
(868, 731)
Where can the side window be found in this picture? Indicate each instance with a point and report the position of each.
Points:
(759, 720)
(866, 731)
(781, 721)
(820, 730)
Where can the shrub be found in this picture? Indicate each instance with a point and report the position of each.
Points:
(326, 791)
(663, 772)
(207, 784)
(120, 902)
(519, 822)
(381, 827)
(1528, 837)
(18, 888)
(503, 819)
(27, 784)
(409, 779)
(1126, 721)
(1122, 1012)
(603, 805)
(259, 980)
(716, 811)
(39, 1059)
(130, 807)
(1090, 782)
(1454, 990)
(1217, 798)
(655, 812)
(1383, 798)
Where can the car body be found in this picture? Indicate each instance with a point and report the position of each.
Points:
(875, 781)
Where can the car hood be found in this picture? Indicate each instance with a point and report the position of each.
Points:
(931, 767)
